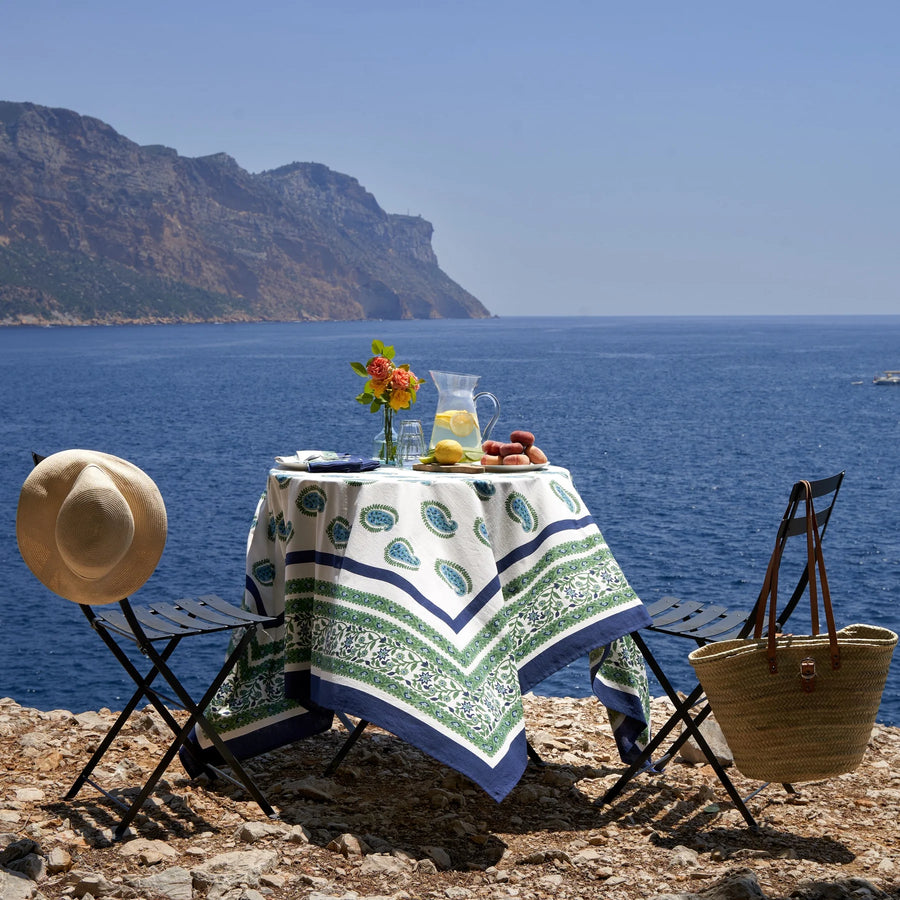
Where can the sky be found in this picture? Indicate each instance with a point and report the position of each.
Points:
(609, 158)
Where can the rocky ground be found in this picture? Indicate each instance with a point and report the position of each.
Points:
(394, 824)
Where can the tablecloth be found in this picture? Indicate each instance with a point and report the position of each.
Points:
(428, 604)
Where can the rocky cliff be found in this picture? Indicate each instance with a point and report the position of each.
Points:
(95, 228)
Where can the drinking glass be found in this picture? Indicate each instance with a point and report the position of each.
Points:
(411, 442)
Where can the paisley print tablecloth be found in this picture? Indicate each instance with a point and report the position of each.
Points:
(428, 604)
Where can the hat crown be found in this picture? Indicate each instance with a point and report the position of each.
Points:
(90, 526)
(94, 525)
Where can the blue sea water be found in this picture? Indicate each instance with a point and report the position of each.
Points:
(683, 436)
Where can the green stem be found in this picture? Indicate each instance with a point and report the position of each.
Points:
(390, 450)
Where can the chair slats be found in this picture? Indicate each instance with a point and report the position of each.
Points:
(696, 620)
(684, 609)
(190, 624)
(724, 628)
(658, 606)
(224, 606)
(206, 614)
(113, 618)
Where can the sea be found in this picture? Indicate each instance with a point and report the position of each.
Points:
(683, 436)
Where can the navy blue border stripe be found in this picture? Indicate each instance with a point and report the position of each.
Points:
(585, 639)
(251, 588)
(472, 608)
(299, 725)
(496, 781)
(553, 528)
(457, 623)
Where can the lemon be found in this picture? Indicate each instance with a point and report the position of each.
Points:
(448, 452)
(463, 423)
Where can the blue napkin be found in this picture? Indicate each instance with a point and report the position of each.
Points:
(346, 463)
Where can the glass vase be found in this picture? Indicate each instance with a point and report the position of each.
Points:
(387, 449)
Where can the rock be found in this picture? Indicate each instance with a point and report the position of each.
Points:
(16, 887)
(32, 866)
(58, 860)
(312, 789)
(741, 885)
(149, 853)
(94, 884)
(712, 734)
(439, 856)
(684, 858)
(175, 883)
(843, 889)
(250, 832)
(384, 864)
(348, 845)
(234, 869)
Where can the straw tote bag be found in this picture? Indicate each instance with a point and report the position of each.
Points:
(797, 708)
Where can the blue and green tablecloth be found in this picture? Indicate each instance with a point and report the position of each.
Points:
(428, 603)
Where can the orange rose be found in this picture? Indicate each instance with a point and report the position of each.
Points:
(380, 368)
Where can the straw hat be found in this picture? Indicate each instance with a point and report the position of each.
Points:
(91, 526)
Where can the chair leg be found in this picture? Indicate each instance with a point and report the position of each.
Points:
(143, 690)
(196, 716)
(159, 666)
(352, 738)
(682, 713)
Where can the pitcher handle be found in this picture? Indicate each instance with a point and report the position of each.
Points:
(486, 431)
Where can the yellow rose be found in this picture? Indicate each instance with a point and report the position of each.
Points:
(400, 400)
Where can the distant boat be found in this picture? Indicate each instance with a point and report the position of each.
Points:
(891, 376)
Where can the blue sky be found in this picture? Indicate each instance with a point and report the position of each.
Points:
(574, 157)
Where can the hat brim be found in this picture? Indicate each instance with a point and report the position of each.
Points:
(43, 493)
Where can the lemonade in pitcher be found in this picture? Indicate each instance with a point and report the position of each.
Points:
(458, 425)
(456, 418)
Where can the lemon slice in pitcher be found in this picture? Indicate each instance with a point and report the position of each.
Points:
(463, 423)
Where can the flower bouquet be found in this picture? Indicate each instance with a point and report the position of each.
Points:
(390, 388)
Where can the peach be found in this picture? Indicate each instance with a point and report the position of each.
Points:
(525, 438)
(491, 460)
(492, 448)
(511, 449)
(536, 455)
(516, 459)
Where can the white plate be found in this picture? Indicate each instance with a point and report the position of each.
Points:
(531, 467)
(291, 462)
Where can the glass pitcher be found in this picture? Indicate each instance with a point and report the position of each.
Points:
(456, 417)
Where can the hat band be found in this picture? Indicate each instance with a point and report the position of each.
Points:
(94, 525)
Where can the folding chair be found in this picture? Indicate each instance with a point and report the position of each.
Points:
(158, 623)
(704, 623)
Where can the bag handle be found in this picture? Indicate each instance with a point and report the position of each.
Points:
(815, 560)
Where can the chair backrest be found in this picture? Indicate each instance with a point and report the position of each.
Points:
(793, 523)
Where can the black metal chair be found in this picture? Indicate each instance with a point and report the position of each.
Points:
(703, 623)
(167, 625)
(171, 623)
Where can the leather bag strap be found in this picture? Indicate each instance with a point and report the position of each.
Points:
(768, 597)
(817, 560)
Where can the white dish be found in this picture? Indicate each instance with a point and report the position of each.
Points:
(291, 462)
(531, 467)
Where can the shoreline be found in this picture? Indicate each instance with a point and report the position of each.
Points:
(394, 823)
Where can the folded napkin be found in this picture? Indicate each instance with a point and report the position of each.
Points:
(327, 461)
(346, 463)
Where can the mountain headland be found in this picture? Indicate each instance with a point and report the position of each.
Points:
(96, 229)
